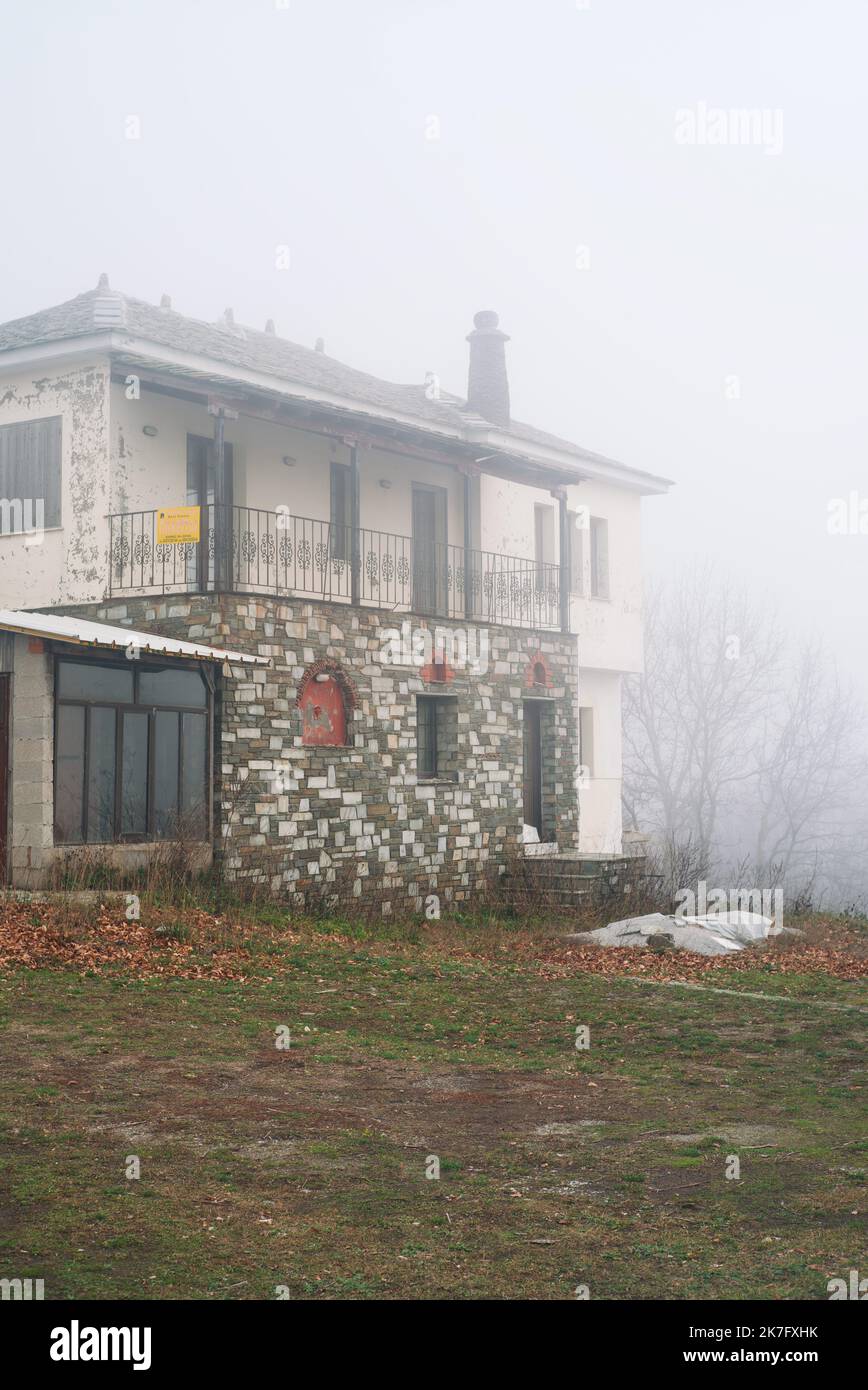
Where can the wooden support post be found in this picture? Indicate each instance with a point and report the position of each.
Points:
(220, 527)
(222, 506)
(468, 547)
(355, 534)
(564, 558)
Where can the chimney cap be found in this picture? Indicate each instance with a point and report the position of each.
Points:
(103, 282)
(269, 326)
(486, 323)
(165, 301)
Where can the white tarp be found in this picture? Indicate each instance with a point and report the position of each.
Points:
(715, 934)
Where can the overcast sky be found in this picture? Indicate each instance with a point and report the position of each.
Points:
(681, 295)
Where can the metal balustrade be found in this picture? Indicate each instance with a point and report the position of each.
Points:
(253, 551)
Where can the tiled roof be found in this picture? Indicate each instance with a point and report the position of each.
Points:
(249, 349)
(232, 345)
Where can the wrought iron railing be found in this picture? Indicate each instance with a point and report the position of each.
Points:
(249, 550)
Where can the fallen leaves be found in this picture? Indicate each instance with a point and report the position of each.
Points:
(190, 943)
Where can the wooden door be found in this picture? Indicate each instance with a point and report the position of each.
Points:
(202, 493)
(532, 782)
(429, 549)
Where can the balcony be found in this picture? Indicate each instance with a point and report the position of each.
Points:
(246, 550)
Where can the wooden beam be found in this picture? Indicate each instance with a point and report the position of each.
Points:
(335, 423)
(468, 546)
(355, 537)
(564, 559)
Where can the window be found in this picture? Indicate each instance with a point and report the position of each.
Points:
(341, 510)
(586, 741)
(544, 535)
(576, 550)
(82, 680)
(130, 752)
(437, 737)
(30, 475)
(599, 557)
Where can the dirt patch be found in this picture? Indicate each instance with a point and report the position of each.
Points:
(273, 1099)
(771, 1136)
(564, 1129)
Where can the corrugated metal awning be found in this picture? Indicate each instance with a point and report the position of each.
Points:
(83, 632)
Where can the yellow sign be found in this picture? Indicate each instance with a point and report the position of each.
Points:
(177, 525)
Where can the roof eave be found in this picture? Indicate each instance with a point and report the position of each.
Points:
(565, 466)
(584, 466)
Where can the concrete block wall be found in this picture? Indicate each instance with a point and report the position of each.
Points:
(32, 761)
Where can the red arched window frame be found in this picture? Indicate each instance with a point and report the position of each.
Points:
(326, 699)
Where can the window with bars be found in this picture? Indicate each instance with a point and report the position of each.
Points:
(130, 753)
(437, 737)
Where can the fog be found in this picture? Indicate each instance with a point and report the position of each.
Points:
(692, 306)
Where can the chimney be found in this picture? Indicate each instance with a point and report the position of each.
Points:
(487, 383)
(269, 326)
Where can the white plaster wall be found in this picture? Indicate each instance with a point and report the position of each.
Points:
(150, 471)
(68, 564)
(600, 800)
(610, 630)
(507, 517)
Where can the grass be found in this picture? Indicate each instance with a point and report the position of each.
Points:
(303, 1170)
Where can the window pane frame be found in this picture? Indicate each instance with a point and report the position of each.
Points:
(431, 737)
(150, 710)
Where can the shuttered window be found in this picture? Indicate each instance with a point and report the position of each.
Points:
(30, 475)
(575, 552)
(599, 557)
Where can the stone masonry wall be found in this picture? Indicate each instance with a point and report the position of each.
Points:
(350, 821)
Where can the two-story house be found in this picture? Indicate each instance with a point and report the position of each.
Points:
(350, 636)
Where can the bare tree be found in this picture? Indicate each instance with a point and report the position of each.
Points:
(741, 748)
(815, 771)
(691, 723)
